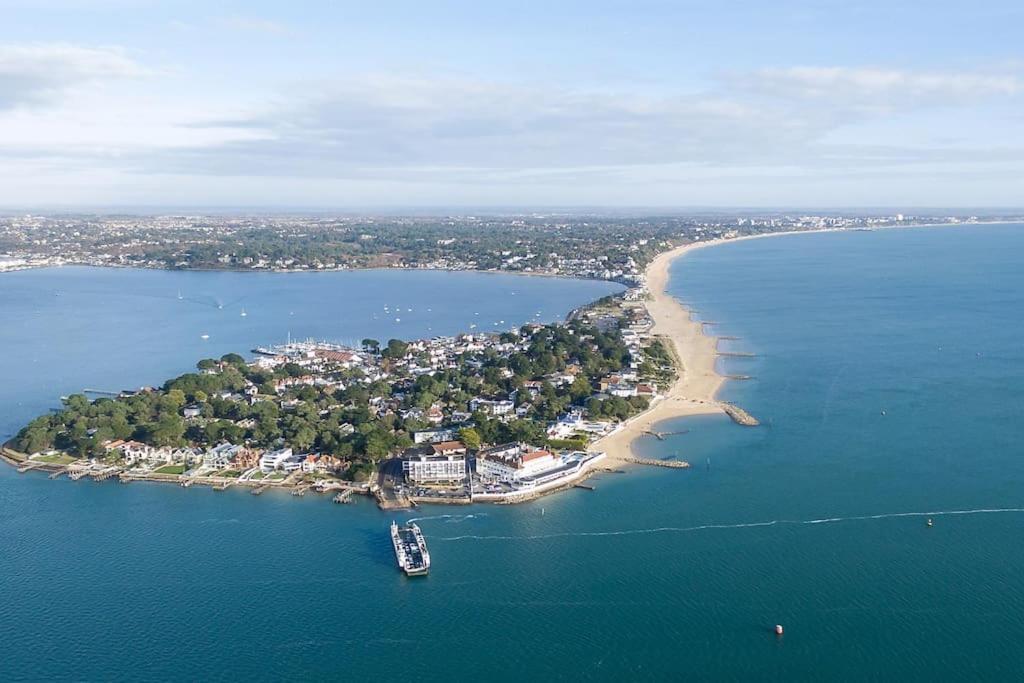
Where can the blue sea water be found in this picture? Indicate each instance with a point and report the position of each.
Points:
(888, 380)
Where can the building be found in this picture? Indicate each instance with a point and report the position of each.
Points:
(434, 435)
(439, 463)
(513, 463)
(222, 455)
(282, 459)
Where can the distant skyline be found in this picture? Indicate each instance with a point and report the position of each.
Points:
(825, 104)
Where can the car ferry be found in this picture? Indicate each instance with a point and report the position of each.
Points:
(410, 549)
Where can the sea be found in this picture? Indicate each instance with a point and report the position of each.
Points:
(887, 375)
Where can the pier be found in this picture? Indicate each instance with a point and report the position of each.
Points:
(674, 464)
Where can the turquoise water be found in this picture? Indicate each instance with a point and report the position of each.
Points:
(659, 574)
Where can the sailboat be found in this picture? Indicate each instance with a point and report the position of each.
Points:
(244, 313)
(180, 297)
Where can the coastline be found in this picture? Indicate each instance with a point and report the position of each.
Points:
(695, 391)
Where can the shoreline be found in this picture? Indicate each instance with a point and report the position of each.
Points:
(695, 391)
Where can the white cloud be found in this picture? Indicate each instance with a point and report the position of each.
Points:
(37, 73)
(879, 87)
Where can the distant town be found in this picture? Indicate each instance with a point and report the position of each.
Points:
(599, 247)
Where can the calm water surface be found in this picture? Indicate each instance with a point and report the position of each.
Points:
(659, 574)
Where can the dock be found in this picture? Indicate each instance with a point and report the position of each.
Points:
(674, 464)
(343, 497)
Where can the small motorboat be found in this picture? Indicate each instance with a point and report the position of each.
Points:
(930, 522)
(778, 629)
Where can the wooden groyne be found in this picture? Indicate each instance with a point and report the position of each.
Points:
(739, 416)
(674, 464)
(588, 487)
(737, 354)
(739, 377)
(728, 337)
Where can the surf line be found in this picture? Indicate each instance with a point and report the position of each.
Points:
(748, 525)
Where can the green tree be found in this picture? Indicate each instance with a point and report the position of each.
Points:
(470, 437)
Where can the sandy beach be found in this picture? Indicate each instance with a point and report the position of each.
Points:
(694, 390)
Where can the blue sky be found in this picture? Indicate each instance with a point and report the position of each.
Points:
(674, 104)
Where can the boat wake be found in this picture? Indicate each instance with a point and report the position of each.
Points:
(748, 525)
(448, 518)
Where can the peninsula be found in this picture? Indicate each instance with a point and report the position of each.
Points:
(500, 417)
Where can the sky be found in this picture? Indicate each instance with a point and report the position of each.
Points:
(595, 103)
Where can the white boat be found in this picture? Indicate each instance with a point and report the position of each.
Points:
(244, 313)
(204, 336)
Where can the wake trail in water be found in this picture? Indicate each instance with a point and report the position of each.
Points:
(448, 518)
(747, 525)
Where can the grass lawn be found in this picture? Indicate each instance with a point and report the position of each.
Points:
(229, 473)
(171, 469)
(277, 476)
(257, 476)
(56, 459)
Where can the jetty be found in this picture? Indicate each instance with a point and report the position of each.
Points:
(259, 489)
(660, 436)
(674, 464)
(222, 486)
(58, 473)
(103, 475)
(738, 415)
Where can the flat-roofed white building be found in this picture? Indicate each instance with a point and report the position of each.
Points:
(426, 469)
(277, 460)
